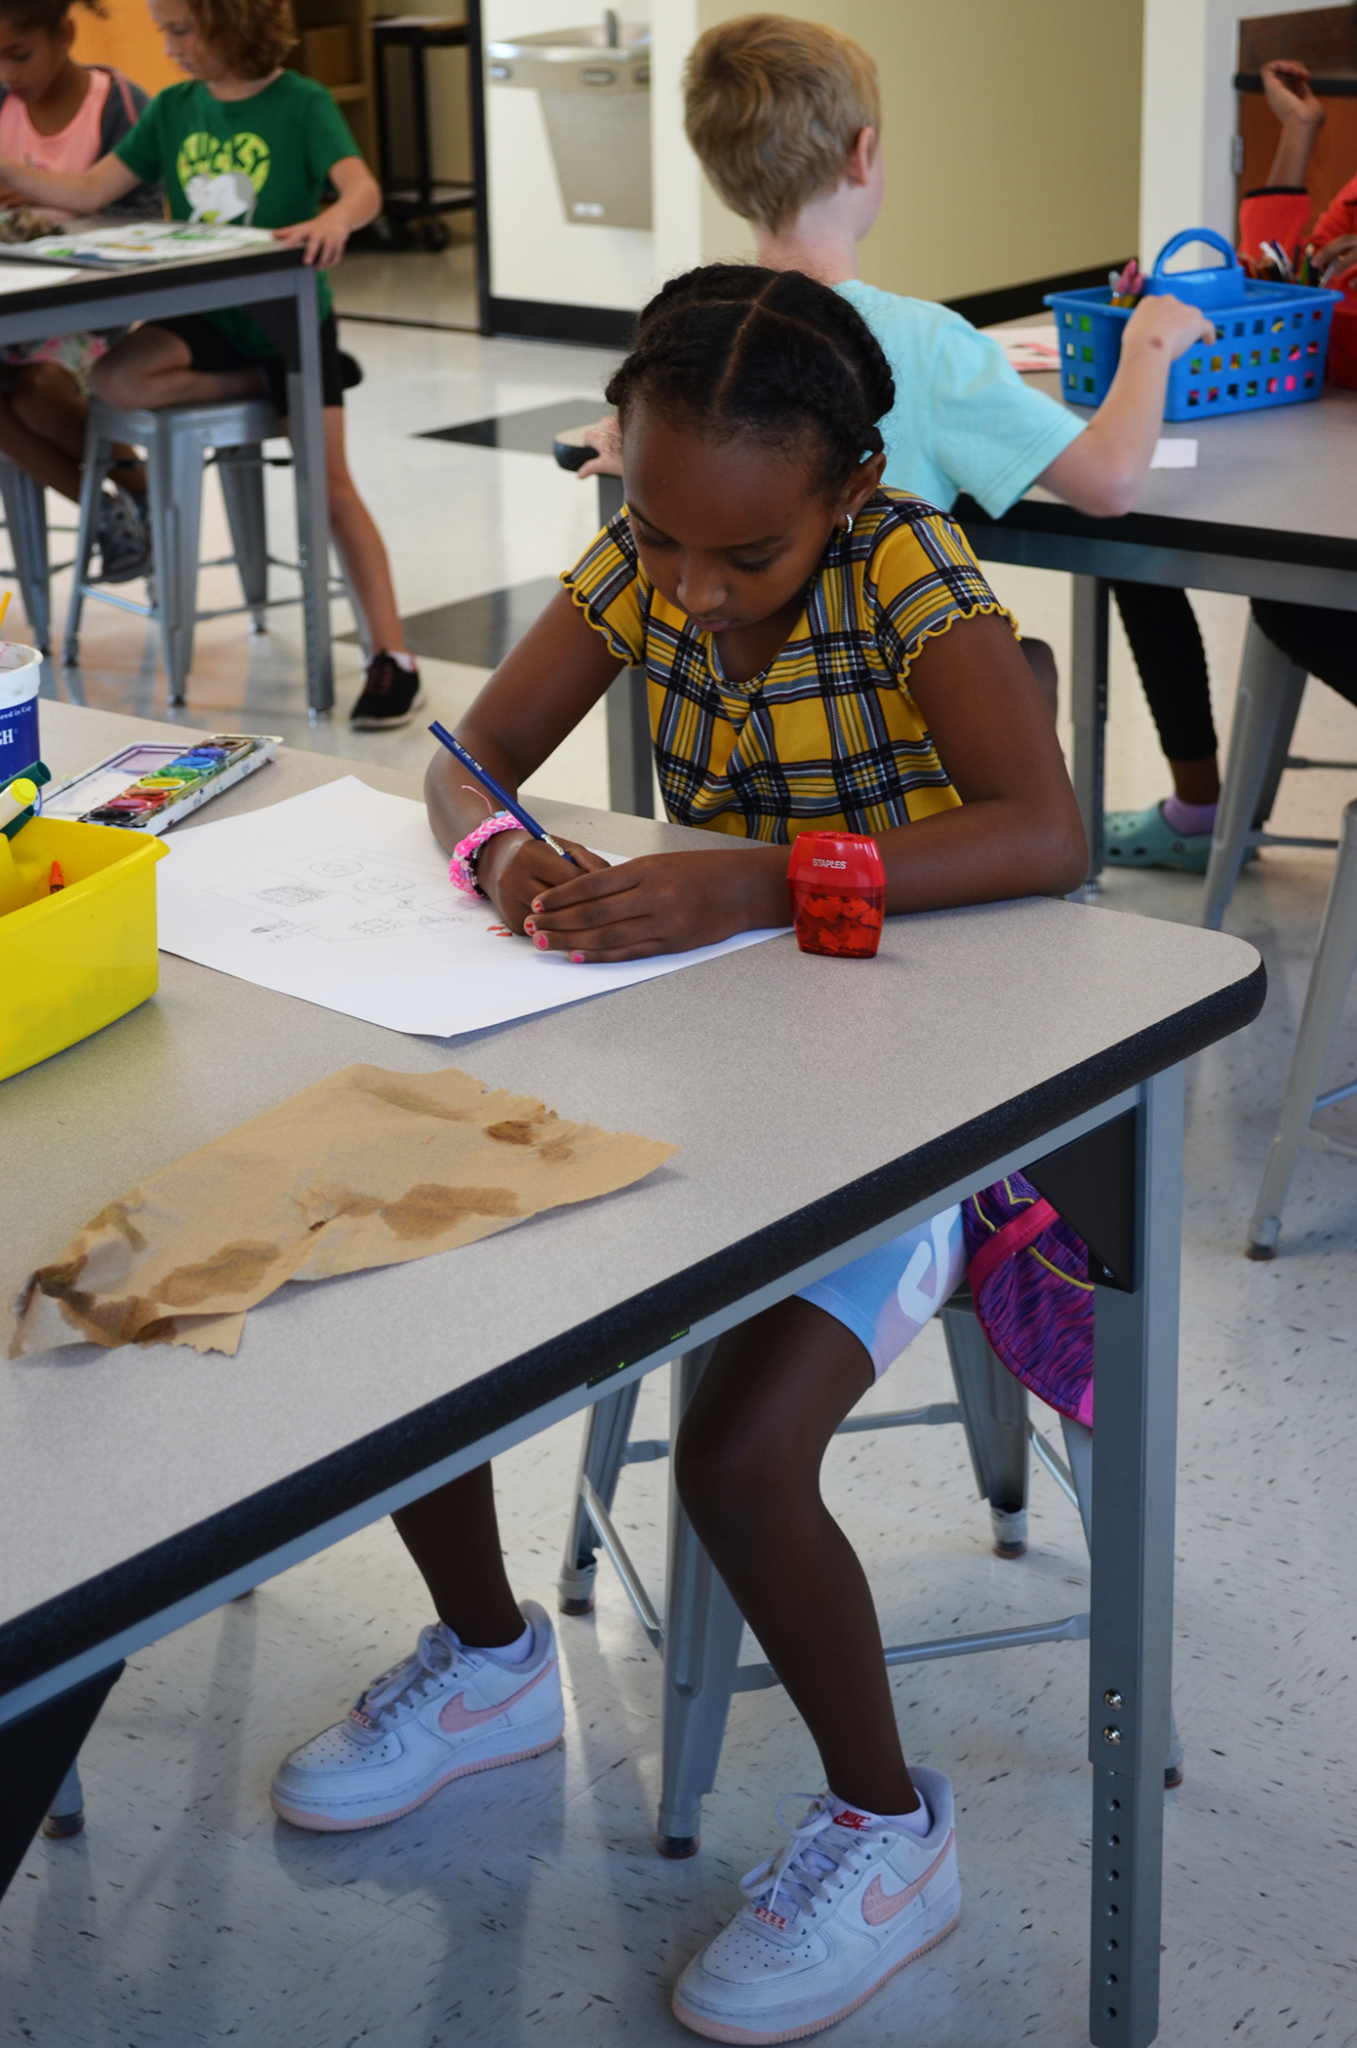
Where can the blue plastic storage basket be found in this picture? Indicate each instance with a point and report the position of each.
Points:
(1270, 348)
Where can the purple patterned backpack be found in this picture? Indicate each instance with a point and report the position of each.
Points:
(1029, 1278)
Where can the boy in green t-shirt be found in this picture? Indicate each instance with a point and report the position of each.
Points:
(247, 141)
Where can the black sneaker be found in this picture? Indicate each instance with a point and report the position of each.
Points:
(391, 696)
(122, 538)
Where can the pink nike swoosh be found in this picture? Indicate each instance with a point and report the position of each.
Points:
(879, 1906)
(455, 1719)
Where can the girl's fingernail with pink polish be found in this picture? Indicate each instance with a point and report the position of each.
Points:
(578, 958)
(541, 940)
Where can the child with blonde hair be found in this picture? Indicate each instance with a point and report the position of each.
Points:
(247, 140)
(785, 119)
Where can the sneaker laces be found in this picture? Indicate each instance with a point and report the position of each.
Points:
(384, 674)
(402, 1687)
(799, 1872)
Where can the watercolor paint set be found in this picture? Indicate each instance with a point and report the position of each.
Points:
(149, 787)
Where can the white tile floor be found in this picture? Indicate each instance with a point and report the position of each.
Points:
(530, 1903)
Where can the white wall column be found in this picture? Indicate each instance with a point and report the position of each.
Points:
(1189, 116)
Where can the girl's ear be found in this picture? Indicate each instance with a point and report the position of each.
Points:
(66, 32)
(865, 479)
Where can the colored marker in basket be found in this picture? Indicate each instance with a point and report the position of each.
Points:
(56, 880)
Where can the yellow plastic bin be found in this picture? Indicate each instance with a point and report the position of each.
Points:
(72, 962)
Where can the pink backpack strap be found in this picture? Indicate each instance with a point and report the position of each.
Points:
(1006, 1243)
(120, 79)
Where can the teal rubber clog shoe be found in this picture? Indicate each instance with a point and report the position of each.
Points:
(1145, 839)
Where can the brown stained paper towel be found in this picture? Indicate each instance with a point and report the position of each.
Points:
(368, 1168)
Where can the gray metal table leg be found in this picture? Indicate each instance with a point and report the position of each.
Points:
(1270, 689)
(1131, 1639)
(1088, 701)
(306, 424)
(606, 1430)
(26, 518)
(702, 1631)
(993, 1408)
(1324, 999)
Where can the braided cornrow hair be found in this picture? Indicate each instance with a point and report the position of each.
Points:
(769, 352)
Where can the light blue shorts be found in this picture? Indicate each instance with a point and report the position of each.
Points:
(887, 1296)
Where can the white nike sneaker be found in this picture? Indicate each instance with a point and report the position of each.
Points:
(844, 1906)
(442, 1713)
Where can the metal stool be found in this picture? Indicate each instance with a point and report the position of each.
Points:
(26, 518)
(179, 440)
(991, 1406)
(1266, 708)
(1324, 999)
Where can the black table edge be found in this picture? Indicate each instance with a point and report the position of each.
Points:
(1159, 530)
(132, 1592)
(113, 284)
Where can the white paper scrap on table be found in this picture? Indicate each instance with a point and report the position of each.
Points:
(1174, 454)
(341, 896)
(31, 277)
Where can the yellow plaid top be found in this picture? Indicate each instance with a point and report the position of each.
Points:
(828, 737)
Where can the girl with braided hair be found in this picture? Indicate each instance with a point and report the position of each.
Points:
(820, 653)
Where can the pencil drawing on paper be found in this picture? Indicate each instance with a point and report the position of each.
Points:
(346, 895)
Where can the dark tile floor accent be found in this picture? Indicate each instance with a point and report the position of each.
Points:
(477, 630)
(526, 433)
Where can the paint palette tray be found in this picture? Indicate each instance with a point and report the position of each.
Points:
(152, 785)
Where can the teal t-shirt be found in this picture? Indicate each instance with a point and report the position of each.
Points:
(963, 419)
(260, 162)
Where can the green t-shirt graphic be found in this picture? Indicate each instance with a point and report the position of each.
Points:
(260, 162)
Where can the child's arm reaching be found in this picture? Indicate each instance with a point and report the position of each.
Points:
(1101, 472)
(74, 191)
(1017, 832)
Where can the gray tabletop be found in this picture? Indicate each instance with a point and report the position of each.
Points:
(811, 1099)
(1287, 470)
(1269, 510)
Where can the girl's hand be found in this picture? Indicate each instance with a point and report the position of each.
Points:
(514, 868)
(662, 903)
(1287, 88)
(323, 238)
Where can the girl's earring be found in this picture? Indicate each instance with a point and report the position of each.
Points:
(847, 523)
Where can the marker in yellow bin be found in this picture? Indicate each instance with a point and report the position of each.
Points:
(21, 795)
(56, 880)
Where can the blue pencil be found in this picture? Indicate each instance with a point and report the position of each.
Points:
(525, 818)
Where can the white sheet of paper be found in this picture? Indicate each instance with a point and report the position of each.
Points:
(1174, 455)
(342, 897)
(1030, 348)
(31, 277)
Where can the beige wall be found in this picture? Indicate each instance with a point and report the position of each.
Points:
(1012, 137)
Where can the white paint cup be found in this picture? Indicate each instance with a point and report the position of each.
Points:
(20, 674)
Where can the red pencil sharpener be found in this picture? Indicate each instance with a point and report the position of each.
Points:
(838, 889)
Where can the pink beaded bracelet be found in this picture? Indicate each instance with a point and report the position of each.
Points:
(461, 872)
